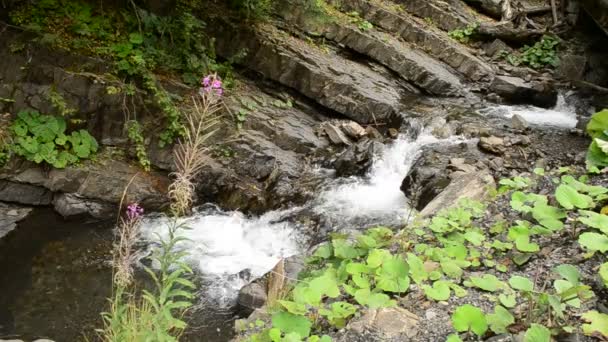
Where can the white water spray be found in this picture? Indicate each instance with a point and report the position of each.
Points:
(562, 115)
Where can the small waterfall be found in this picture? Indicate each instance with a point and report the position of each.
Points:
(230, 249)
(562, 115)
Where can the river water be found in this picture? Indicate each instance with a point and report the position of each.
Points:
(55, 275)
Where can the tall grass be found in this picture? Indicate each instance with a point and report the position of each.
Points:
(156, 315)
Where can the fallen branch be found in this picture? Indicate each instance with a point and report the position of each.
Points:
(508, 33)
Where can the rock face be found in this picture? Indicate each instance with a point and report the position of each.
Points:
(474, 186)
(73, 205)
(598, 10)
(357, 159)
(9, 216)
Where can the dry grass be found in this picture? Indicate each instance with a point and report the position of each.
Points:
(191, 150)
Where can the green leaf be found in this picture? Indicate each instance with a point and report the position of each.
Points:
(569, 198)
(417, 270)
(451, 268)
(488, 282)
(453, 338)
(393, 275)
(598, 124)
(376, 257)
(500, 320)
(521, 283)
(598, 323)
(548, 216)
(325, 251)
(467, 317)
(594, 220)
(344, 250)
(507, 300)
(569, 273)
(523, 244)
(604, 273)
(293, 307)
(537, 333)
(439, 291)
(373, 300)
(290, 323)
(474, 237)
(594, 242)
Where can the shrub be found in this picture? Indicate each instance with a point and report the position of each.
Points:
(597, 155)
(42, 138)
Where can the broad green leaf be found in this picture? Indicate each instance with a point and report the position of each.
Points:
(392, 276)
(523, 244)
(293, 307)
(602, 144)
(507, 300)
(598, 124)
(569, 273)
(439, 291)
(453, 338)
(537, 333)
(569, 198)
(417, 271)
(500, 319)
(451, 269)
(376, 257)
(474, 237)
(467, 317)
(344, 249)
(561, 287)
(521, 283)
(325, 251)
(594, 242)
(598, 323)
(290, 323)
(548, 216)
(373, 300)
(487, 282)
(594, 220)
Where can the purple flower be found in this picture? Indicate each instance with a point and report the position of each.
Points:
(206, 81)
(134, 211)
(211, 84)
(217, 84)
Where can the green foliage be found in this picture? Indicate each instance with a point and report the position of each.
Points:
(598, 324)
(469, 318)
(500, 319)
(541, 54)
(597, 128)
(135, 134)
(59, 103)
(253, 9)
(42, 138)
(537, 333)
(604, 273)
(594, 242)
(361, 23)
(464, 35)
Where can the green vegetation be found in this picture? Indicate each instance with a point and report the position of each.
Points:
(462, 251)
(361, 23)
(597, 155)
(541, 54)
(43, 138)
(464, 35)
(135, 134)
(5, 139)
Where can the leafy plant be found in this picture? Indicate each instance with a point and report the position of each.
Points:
(469, 318)
(42, 138)
(464, 35)
(539, 55)
(361, 23)
(134, 132)
(597, 128)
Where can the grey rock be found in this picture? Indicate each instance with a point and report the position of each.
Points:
(475, 186)
(335, 134)
(357, 159)
(73, 205)
(572, 67)
(518, 91)
(492, 144)
(24, 193)
(386, 323)
(353, 130)
(496, 47)
(252, 296)
(373, 133)
(9, 216)
(517, 122)
(459, 164)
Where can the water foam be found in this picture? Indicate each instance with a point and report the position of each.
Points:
(562, 115)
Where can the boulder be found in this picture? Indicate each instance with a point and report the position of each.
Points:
(474, 186)
(492, 144)
(516, 90)
(335, 134)
(24, 193)
(68, 205)
(252, 296)
(357, 159)
(519, 123)
(572, 67)
(496, 47)
(353, 130)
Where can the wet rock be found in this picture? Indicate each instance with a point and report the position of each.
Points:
(474, 186)
(373, 133)
(357, 159)
(335, 134)
(73, 205)
(385, 324)
(252, 296)
(9, 216)
(353, 130)
(459, 164)
(492, 144)
(393, 133)
(518, 91)
(24, 193)
(517, 122)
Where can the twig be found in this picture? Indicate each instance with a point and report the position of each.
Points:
(554, 11)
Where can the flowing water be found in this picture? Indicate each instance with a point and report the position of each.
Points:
(54, 275)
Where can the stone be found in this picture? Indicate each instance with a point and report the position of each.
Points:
(518, 91)
(373, 133)
(357, 159)
(68, 205)
(458, 164)
(353, 130)
(518, 122)
(474, 186)
(335, 135)
(387, 323)
(496, 47)
(572, 67)
(492, 144)
(252, 296)
(9, 216)
(24, 193)
(393, 133)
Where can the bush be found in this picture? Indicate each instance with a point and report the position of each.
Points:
(597, 155)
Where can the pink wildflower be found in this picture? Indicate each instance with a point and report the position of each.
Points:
(134, 211)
